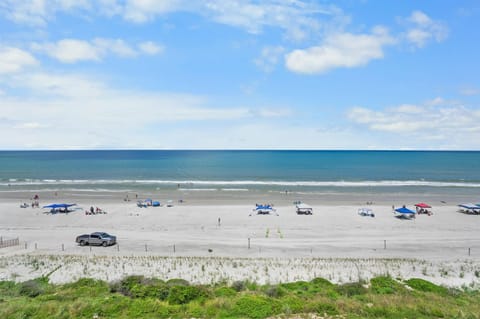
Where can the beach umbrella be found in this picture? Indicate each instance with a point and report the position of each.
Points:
(59, 205)
(53, 206)
(423, 205)
(469, 206)
(404, 210)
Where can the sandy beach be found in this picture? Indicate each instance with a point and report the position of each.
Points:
(205, 239)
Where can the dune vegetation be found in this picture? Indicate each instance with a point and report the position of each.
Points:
(141, 297)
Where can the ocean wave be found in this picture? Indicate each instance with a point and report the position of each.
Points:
(190, 184)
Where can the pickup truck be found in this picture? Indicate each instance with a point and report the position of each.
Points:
(97, 238)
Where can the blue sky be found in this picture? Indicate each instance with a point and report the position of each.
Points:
(274, 74)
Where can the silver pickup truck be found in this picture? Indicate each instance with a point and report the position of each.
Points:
(97, 238)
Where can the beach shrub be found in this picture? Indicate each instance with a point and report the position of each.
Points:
(274, 291)
(185, 294)
(239, 285)
(177, 282)
(196, 310)
(298, 288)
(87, 286)
(146, 306)
(33, 288)
(253, 306)
(352, 289)
(321, 282)
(291, 305)
(425, 286)
(385, 285)
(8, 288)
(326, 308)
(225, 292)
(126, 285)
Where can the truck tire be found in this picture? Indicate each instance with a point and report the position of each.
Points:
(82, 242)
(104, 244)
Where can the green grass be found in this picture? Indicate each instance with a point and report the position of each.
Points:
(140, 297)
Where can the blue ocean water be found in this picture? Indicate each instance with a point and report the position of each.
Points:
(270, 170)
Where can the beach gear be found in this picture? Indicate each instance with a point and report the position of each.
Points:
(304, 209)
(469, 208)
(404, 212)
(365, 212)
(263, 209)
(423, 205)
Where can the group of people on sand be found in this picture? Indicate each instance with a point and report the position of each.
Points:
(35, 202)
(95, 211)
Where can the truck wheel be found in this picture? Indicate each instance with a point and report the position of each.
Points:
(82, 243)
(104, 244)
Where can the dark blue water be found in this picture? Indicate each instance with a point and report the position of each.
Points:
(243, 169)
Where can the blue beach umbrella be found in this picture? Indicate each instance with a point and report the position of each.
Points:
(404, 210)
(59, 206)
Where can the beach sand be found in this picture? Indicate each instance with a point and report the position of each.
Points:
(188, 241)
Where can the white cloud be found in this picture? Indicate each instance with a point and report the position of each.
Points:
(140, 11)
(71, 110)
(297, 18)
(14, 60)
(269, 58)
(422, 29)
(115, 46)
(74, 50)
(70, 50)
(38, 12)
(451, 123)
(150, 48)
(340, 50)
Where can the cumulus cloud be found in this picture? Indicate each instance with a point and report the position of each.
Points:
(450, 122)
(75, 50)
(343, 50)
(423, 29)
(14, 60)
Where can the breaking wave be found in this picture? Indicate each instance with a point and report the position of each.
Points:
(234, 185)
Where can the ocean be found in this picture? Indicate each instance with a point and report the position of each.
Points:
(427, 172)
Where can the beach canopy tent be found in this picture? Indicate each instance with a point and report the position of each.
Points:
(404, 212)
(304, 209)
(469, 208)
(423, 205)
(59, 207)
(55, 206)
(263, 209)
(423, 208)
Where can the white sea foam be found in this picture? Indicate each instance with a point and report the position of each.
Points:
(186, 184)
